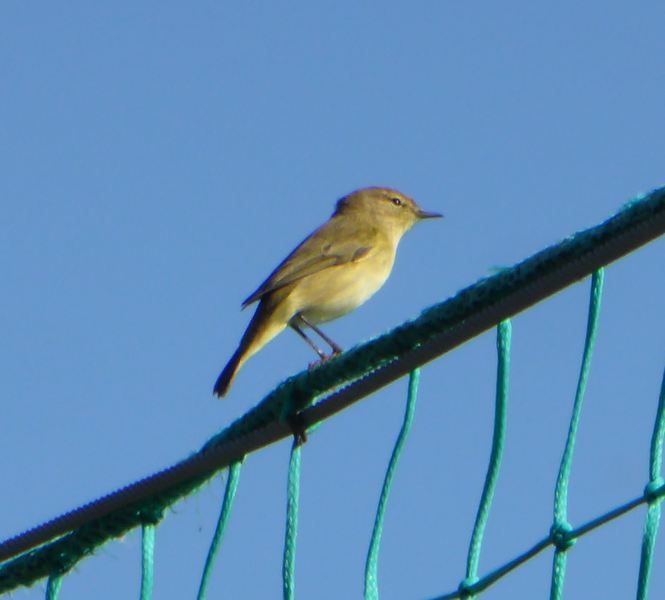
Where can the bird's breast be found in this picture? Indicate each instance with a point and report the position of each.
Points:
(336, 291)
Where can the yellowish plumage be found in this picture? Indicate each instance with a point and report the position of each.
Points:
(332, 272)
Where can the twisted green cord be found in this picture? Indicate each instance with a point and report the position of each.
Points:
(147, 561)
(504, 331)
(293, 492)
(372, 561)
(560, 532)
(227, 503)
(493, 576)
(53, 587)
(655, 482)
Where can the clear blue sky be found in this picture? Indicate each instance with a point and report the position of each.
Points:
(159, 159)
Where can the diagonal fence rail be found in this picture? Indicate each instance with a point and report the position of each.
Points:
(301, 402)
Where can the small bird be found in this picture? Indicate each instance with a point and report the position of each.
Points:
(332, 272)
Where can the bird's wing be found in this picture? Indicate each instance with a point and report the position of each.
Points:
(314, 254)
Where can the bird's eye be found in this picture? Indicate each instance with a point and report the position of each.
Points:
(396, 201)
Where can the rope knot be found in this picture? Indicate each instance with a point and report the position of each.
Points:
(465, 587)
(151, 515)
(560, 536)
(654, 490)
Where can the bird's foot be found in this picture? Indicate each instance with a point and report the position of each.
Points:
(317, 363)
(325, 358)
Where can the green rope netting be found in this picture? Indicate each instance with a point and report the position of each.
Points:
(504, 333)
(59, 556)
(653, 494)
(561, 528)
(227, 503)
(372, 562)
(562, 536)
(293, 495)
(147, 561)
(53, 587)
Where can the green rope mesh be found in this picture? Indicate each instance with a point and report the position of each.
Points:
(372, 562)
(53, 587)
(472, 585)
(227, 503)
(500, 414)
(147, 561)
(293, 494)
(653, 497)
(561, 528)
(512, 289)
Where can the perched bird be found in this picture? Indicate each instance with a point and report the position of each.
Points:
(333, 271)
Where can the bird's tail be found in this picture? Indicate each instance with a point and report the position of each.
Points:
(227, 376)
(267, 322)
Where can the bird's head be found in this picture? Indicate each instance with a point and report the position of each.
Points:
(385, 208)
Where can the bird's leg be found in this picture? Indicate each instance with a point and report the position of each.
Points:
(303, 335)
(335, 348)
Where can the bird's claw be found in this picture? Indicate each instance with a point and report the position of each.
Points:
(325, 358)
(316, 363)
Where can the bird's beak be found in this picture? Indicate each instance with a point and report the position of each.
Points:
(423, 214)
